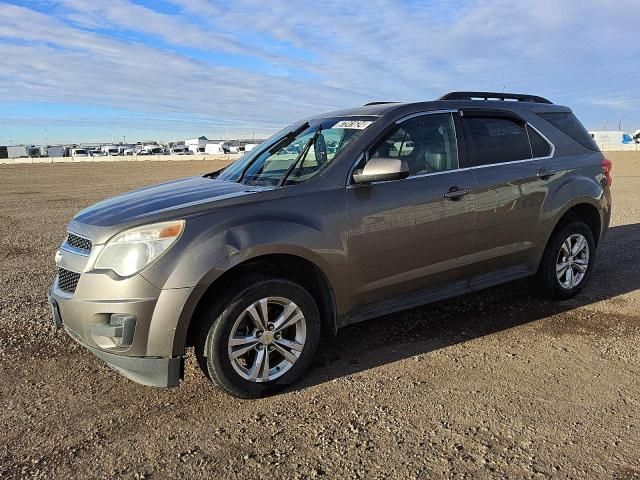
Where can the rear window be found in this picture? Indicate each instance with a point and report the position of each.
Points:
(567, 123)
(497, 140)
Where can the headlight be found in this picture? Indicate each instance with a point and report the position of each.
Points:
(132, 250)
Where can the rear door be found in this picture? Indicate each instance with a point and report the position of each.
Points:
(509, 161)
(412, 234)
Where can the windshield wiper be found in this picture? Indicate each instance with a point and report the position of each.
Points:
(301, 156)
(277, 146)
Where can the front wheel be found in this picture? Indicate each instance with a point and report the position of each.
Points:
(259, 338)
(567, 261)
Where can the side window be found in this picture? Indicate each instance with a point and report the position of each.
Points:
(497, 140)
(427, 143)
(539, 146)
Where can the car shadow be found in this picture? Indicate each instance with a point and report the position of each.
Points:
(387, 339)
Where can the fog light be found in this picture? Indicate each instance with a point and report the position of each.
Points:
(120, 329)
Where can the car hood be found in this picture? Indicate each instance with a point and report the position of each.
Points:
(178, 197)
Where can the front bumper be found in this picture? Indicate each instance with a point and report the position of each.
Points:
(152, 353)
(151, 371)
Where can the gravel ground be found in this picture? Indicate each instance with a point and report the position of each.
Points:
(495, 384)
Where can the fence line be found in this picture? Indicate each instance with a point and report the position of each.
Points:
(628, 147)
(123, 158)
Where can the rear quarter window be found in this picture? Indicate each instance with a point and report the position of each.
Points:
(539, 146)
(567, 123)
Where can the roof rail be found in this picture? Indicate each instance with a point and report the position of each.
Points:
(494, 96)
(376, 103)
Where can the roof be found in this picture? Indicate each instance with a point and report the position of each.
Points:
(453, 100)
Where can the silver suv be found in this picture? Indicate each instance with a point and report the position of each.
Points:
(336, 219)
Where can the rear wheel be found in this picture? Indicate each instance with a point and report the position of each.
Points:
(259, 338)
(567, 261)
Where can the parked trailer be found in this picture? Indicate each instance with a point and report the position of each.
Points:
(55, 151)
(17, 151)
(212, 148)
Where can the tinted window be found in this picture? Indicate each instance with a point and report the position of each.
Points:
(539, 146)
(427, 143)
(497, 140)
(571, 126)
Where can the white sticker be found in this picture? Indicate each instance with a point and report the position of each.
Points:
(353, 124)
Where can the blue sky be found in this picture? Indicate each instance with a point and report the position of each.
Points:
(93, 70)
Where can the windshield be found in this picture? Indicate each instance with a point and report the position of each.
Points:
(297, 153)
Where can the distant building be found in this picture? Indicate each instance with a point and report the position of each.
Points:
(611, 137)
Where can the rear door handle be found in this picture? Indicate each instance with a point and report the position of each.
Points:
(544, 173)
(455, 193)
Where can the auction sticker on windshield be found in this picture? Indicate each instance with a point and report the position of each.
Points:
(353, 124)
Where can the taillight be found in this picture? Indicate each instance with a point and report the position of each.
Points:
(607, 166)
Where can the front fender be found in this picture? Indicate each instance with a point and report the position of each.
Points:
(311, 228)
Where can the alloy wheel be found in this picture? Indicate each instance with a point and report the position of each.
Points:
(572, 261)
(267, 339)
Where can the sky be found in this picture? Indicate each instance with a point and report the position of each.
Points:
(103, 70)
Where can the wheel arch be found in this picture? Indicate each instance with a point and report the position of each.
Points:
(586, 210)
(283, 265)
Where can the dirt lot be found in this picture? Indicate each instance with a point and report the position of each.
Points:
(495, 384)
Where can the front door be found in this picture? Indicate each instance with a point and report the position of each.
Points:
(408, 235)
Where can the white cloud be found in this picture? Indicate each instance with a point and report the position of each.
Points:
(290, 60)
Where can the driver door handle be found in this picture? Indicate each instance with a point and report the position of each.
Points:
(544, 173)
(455, 193)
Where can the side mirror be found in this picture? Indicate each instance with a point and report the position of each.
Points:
(382, 169)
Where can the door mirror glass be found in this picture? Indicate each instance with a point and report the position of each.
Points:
(382, 169)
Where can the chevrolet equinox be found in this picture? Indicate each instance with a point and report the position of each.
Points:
(336, 219)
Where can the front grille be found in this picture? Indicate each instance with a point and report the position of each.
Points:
(76, 241)
(67, 280)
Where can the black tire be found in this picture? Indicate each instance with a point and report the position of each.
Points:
(216, 328)
(546, 277)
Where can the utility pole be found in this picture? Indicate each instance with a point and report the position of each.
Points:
(605, 125)
(621, 110)
(45, 136)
